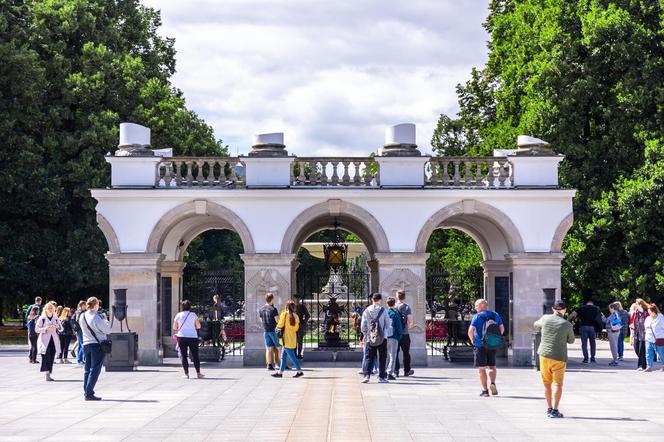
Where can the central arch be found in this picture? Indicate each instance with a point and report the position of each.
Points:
(348, 215)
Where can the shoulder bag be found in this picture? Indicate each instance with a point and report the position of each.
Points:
(659, 342)
(281, 330)
(106, 345)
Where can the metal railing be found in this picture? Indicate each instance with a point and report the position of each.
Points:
(199, 172)
(335, 171)
(484, 172)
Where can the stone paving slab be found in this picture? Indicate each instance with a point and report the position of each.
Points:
(439, 403)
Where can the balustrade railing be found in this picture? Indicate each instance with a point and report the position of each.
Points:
(335, 171)
(484, 172)
(199, 172)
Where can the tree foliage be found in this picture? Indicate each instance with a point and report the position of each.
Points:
(71, 71)
(585, 75)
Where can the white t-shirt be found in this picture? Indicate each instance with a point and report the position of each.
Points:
(186, 324)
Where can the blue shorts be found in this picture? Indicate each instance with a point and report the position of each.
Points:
(271, 339)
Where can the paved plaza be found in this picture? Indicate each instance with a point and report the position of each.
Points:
(235, 403)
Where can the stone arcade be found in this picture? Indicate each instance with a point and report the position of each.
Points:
(510, 204)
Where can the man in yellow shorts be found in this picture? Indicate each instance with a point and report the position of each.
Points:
(557, 332)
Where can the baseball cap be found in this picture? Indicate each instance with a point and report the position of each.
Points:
(559, 305)
(377, 297)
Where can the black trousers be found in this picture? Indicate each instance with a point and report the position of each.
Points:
(186, 344)
(404, 346)
(300, 342)
(381, 350)
(640, 349)
(48, 357)
(65, 340)
(33, 348)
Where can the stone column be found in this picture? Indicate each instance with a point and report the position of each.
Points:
(531, 273)
(137, 272)
(172, 270)
(493, 268)
(263, 272)
(407, 271)
(374, 276)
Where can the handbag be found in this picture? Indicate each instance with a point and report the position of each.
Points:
(659, 342)
(280, 330)
(105, 345)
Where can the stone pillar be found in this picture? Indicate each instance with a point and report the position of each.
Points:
(263, 272)
(531, 273)
(374, 276)
(293, 278)
(172, 270)
(407, 271)
(137, 272)
(492, 269)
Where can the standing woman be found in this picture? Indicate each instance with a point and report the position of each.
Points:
(186, 324)
(65, 335)
(33, 316)
(613, 325)
(654, 324)
(48, 343)
(290, 323)
(639, 332)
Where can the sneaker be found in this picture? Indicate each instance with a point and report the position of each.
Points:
(639, 369)
(49, 378)
(391, 378)
(592, 361)
(92, 398)
(277, 375)
(409, 373)
(585, 361)
(365, 380)
(299, 374)
(485, 393)
(613, 363)
(185, 376)
(383, 381)
(649, 369)
(270, 367)
(620, 358)
(555, 414)
(73, 354)
(494, 390)
(548, 412)
(200, 375)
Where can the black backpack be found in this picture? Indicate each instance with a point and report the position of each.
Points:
(73, 321)
(491, 336)
(376, 337)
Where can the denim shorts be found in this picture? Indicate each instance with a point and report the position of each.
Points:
(271, 339)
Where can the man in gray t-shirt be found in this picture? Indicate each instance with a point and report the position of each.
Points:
(404, 344)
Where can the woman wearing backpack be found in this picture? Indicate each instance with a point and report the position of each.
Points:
(287, 326)
(613, 326)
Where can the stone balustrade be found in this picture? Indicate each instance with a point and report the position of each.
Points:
(335, 171)
(483, 172)
(199, 172)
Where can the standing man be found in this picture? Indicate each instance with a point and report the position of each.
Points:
(38, 303)
(375, 327)
(557, 332)
(95, 328)
(303, 314)
(624, 331)
(269, 317)
(394, 338)
(589, 315)
(485, 324)
(404, 343)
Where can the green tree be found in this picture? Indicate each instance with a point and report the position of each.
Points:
(585, 75)
(71, 71)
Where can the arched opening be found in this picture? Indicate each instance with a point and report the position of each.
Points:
(468, 243)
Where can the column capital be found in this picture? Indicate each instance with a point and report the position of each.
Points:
(151, 261)
(173, 266)
(535, 258)
(268, 259)
(401, 258)
(496, 266)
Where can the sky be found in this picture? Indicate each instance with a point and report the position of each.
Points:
(331, 75)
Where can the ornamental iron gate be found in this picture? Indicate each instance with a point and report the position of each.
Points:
(199, 288)
(448, 316)
(351, 302)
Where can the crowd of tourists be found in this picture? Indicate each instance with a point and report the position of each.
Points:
(52, 327)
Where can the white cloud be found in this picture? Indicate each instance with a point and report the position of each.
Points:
(331, 75)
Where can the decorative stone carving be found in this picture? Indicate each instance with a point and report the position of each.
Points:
(414, 286)
(257, 285)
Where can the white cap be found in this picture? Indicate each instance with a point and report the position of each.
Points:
(527, 140)
(403, 133)
(273, 138)
(134, 134)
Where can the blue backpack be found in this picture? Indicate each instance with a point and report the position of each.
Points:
(491, 336)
